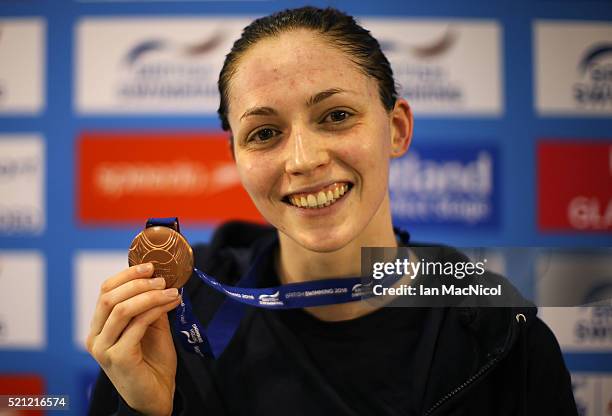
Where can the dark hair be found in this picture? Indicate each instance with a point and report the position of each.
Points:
(340, 29)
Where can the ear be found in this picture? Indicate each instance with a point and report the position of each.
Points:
(401, 127)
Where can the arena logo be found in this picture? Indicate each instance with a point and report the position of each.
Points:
(595, 69)
(428, 61)
(445, 185)
(145, 65)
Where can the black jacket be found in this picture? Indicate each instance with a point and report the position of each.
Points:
(487, 361)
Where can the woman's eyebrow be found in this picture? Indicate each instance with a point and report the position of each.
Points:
(259, 111)
(317, 98)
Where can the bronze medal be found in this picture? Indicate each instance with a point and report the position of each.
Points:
(168, 250)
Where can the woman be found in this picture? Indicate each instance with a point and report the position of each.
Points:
(310, 101)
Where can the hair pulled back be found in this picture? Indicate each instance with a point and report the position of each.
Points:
(336, 27)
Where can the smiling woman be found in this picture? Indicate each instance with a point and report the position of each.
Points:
(310, 102)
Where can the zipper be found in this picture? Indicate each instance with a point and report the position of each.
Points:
(463, 385)
(484, 369)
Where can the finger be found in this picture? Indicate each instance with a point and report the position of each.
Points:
(133, 272)
(123, 312)
(112, 292)
(138, 326)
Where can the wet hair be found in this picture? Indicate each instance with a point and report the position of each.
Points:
(336, 27)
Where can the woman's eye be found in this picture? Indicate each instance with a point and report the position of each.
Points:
(337, 115)
(262, 135)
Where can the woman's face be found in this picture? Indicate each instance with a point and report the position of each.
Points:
(312, 140)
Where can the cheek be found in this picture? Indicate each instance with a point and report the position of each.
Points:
(254, 175)
(368, 152)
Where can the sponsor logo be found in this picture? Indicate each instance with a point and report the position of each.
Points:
(129, 177)
(23, 62)
(23, 286)
(445, 185)
(152, 65)
(581, 329)
(577, 278)
(22, 208)
(573, 67)
(595, 69)
(193, 335)
(428, 61)
(270, 300)
(575, 186)
(362, 289)
(160, 68)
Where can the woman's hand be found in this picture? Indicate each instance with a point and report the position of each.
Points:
(130, 338)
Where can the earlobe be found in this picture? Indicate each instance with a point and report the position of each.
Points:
(401, 128)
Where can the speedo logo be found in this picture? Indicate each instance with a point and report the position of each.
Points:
(176, 177)
(270, 300)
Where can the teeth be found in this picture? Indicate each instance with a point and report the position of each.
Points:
(312, 201)
(321, 199)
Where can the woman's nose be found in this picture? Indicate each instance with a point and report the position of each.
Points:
(306, 153)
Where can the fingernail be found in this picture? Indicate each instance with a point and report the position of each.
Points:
(172, 292)
(158, 282)
(144, 268)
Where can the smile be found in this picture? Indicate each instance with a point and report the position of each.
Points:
(323, 198)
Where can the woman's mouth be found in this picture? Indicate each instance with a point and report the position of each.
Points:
(322, 198)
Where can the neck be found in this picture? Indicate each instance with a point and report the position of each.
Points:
(296, 263)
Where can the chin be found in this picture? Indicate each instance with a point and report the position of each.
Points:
(314, 241)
